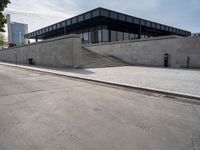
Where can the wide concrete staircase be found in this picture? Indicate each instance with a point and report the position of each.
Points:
(91, 59)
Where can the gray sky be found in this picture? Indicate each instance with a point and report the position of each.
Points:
(184, 14)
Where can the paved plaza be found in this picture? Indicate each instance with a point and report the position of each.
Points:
(183, 81)
(172, 80)
(40, 111)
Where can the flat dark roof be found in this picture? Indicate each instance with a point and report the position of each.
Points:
(99, 16)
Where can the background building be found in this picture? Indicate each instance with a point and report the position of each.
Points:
(16, 32)
(195, 34)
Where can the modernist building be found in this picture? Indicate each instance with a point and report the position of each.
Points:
(103, 25)
(16, 32)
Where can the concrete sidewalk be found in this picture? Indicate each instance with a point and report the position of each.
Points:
(178, 82)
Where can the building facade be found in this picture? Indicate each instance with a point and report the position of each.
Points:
(16, 32)
(195, 34)
(103, 25)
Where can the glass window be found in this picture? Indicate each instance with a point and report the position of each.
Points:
(162, 27)
(153, 25)
(50, 28)
(105, 35)
(87, 16)
(170, 29)
(174, 30)
(113, 36)
(136, 20)
(129, 19)
(80, 18)
(122, 17)
(113, 15)
(74, 20)
(63, 24)
(132, 36)
(92, 35)
(142, 22)
(85, 38)
(89, 37)
(68, 22)
(81, 34)
(95, 13)
(148, 24)
(95, 35)
(99, 36)
(58, 25)
(104, 12)
(158, 26)
(136, 36)
(119, 36)
(126, 36)
(54, 27)
(165, 28)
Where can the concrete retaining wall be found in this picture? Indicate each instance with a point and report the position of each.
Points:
(58, 52)
(150, 52)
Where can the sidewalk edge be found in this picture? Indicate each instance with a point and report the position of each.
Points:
(178, 94)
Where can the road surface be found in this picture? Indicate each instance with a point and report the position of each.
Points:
(40, 111)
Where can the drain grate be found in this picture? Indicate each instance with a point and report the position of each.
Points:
(144, 126)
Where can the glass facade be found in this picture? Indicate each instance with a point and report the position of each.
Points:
(103, 25)
(105, 35)
(102, 34)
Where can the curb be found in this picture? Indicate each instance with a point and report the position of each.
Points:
(112, 83)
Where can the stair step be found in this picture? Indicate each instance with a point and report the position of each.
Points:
(95, 60)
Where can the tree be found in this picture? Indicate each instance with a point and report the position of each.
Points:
(3, 5)
(1, 40)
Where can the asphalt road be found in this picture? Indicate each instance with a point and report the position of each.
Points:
(44, 112)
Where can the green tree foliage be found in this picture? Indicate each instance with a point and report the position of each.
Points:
(1, 40)
(3, 5)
